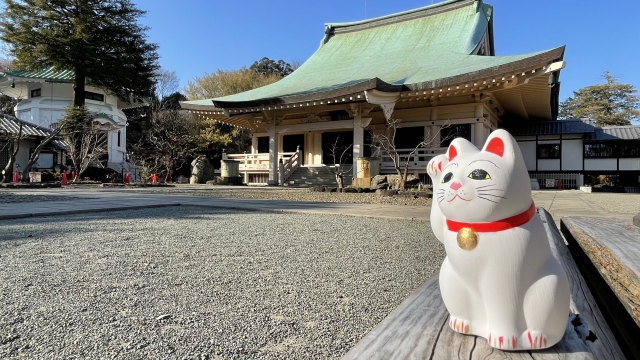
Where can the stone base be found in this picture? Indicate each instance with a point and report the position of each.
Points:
(636, 220)
(236, 180)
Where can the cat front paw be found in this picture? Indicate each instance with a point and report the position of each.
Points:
(459, 325)
(534, 340)
(502, 341)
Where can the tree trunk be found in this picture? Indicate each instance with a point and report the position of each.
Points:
(339, 180)
(36, 154)
(78, 89)
(13, 151)
(403, 180)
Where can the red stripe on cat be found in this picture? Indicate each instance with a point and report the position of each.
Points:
(494, 226)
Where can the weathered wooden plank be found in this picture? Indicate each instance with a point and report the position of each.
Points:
(418, 328)
(582, 301)
(608, 251)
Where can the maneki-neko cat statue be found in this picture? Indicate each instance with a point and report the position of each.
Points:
(499, 279)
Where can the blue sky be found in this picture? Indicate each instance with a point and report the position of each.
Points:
(199, 36)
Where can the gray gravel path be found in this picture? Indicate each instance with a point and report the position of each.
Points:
(8, 197)
(292, 195)
(196, 283)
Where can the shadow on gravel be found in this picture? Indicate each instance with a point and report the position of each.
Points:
(53, 226)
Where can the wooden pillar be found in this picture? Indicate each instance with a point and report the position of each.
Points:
(254, 144)
(358, 142)
(478, 127)
(273, 154)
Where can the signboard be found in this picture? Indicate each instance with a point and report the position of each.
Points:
(550, 183)
(35, 177)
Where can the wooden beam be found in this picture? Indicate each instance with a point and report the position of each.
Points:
(418, 329)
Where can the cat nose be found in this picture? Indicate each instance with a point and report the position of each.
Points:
(456, 185)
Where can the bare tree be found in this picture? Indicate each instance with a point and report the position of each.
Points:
(36, 153)
(166, 83)
(401, 162)
(174, 137)
(338, 153)
(88, 146)
(296, 63)
(86, 140)
(12, 145)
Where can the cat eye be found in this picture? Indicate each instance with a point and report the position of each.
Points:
(479, 174)
(447, 178)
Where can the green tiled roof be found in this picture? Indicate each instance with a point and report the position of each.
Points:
(417, 49)
(49, 73)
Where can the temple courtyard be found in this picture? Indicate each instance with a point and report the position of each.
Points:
(217, 273)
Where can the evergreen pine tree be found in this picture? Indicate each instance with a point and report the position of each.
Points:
(100, 41)
(611, 103)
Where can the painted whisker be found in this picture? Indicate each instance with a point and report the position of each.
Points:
(502, 197)
(483, 198)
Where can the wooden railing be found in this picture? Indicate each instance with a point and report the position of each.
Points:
(419, 160)
(287, 167)
(255, 162)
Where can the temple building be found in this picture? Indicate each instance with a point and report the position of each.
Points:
(44, 96)
(433, 69)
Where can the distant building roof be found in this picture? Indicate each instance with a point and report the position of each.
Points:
(628, 132)
(551, 128)
(49, 73)
(10, 124)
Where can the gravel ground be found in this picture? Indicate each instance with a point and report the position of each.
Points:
(296, 195)
(195, 283)
(7, 197)
(615, 203)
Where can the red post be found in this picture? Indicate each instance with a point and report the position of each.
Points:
(127, 178)
(15, 176)
(64, 178)
(73, 175)
(559, 184)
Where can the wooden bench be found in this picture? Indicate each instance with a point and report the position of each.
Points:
(607, 252)
(418, 328)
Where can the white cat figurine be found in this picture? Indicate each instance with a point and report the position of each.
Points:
(499, 279)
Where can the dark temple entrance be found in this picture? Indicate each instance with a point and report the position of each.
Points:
(341, 140)
(290, 143)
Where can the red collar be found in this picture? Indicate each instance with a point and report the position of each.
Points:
(494, 226)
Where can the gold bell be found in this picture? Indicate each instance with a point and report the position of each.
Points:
(467, 239)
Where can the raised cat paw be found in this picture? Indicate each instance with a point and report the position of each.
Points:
(535, 339)
(461, 326)
(504, 342)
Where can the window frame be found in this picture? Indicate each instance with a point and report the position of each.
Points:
(540, 147)
(89, 95)
(586, 153)
(623, 144)
(36, 92)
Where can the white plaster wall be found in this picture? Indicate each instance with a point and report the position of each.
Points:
(630, 164)
(22, 157)
(571, 154)
(51, 106)
(549, 165)
(600, 164)
(528, 149)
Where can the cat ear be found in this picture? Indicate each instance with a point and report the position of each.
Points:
(501, 143)
(460, 147)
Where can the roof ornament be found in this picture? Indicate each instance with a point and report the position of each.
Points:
(386, 100)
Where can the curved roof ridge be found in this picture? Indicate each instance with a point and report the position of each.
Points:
(398, 17)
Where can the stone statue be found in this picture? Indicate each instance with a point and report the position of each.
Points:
(499, 279)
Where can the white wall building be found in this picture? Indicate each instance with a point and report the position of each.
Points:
(45, 94)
